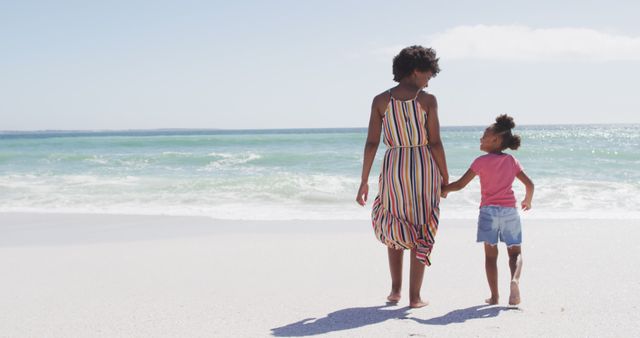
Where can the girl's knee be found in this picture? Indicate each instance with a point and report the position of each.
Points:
(493, 256)
(491, 260)
(514, 251)
(490, 251)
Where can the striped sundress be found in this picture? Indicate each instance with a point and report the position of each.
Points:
(406, 211)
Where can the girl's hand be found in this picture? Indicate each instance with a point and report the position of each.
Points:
(363, 192)
(526, 205)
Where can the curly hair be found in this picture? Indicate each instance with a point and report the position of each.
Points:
(412, 58)
(503, 125)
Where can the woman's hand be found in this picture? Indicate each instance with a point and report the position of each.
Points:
(363, 192)
(526, 204)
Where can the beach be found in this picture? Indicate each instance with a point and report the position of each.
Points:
(93, 275)
(213, 169)
(255, 233)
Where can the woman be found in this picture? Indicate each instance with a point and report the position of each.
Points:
(406, 211)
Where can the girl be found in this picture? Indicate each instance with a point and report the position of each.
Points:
(405, 212)
(499, 217)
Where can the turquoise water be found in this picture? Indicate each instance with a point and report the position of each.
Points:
(590, 171)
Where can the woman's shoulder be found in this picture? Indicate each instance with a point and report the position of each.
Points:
(384, 96)
(427, 99)
(382, 100)
(426, 95)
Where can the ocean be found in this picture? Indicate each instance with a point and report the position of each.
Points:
(580, 171)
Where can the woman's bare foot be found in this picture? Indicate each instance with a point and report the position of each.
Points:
(394, 297)
(418, 304)
(514, 297)
(492, 300)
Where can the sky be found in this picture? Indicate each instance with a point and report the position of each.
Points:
(96, 65)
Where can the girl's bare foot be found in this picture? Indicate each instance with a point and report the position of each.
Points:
(418, 304)
(514, 297)
(492, 300)
(394, 297)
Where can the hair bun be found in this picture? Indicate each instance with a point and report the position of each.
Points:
(505, 122)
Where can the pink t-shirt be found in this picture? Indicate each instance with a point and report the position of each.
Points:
(497, 172)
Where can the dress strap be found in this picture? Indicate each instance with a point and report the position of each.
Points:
(414, 98)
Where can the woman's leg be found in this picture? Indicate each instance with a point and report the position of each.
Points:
(395, 267)
(515, 265)
(491, 267)
(415, 282)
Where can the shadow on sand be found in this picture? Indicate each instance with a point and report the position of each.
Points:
(361, 316)
(462, 315)
(340, 320)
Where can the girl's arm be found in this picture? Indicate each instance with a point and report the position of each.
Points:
(370, 149)
(526, 203)
(433, 127)
(461, 183)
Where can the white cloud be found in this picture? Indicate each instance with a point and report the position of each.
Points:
(524, 43)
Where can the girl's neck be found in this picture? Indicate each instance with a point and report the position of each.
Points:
(495, 152)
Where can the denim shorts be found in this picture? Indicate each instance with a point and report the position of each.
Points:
(495, 222)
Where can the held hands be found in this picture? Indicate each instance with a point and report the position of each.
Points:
(363, 192)
(443, 191)
(526, 204)
(443, 188)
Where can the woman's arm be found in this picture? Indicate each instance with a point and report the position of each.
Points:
(461, 183)
(370, 149)
(526, 203)
(433, 127)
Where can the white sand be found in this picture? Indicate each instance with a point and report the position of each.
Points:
(140, 276)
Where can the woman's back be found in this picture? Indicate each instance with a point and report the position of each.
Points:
(404, 123)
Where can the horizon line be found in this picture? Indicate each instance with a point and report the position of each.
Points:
(291, 128)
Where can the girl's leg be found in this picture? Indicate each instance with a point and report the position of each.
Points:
(415, 282)
(395, 267)
(491, 267)
(515, 265)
